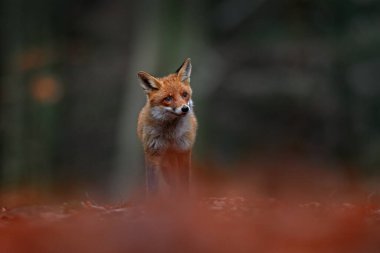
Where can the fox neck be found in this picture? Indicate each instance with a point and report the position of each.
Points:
(169, 133)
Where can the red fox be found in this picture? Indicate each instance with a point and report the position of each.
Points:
(167, 128)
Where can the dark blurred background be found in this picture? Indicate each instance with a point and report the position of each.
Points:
(271, 79)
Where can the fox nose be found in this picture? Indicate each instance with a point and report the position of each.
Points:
(185, 109)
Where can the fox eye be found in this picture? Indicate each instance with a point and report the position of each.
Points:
(185, 94)
(168, 99)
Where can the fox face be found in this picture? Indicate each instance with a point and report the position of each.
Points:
(169, 97)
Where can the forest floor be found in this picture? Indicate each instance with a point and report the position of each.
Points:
(210, 224)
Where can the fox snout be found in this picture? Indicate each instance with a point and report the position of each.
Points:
(181, 110)
(185, 109)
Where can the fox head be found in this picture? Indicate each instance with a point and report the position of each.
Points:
(169, 97)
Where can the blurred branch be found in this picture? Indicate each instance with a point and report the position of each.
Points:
(128, 165)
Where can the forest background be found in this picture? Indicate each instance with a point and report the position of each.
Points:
(279, 87)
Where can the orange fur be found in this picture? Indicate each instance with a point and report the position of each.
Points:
(167, 130)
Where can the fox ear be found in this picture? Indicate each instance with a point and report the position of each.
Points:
(148, 82)
(184, 71)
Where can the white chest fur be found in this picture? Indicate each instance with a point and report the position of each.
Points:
(169, 135)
